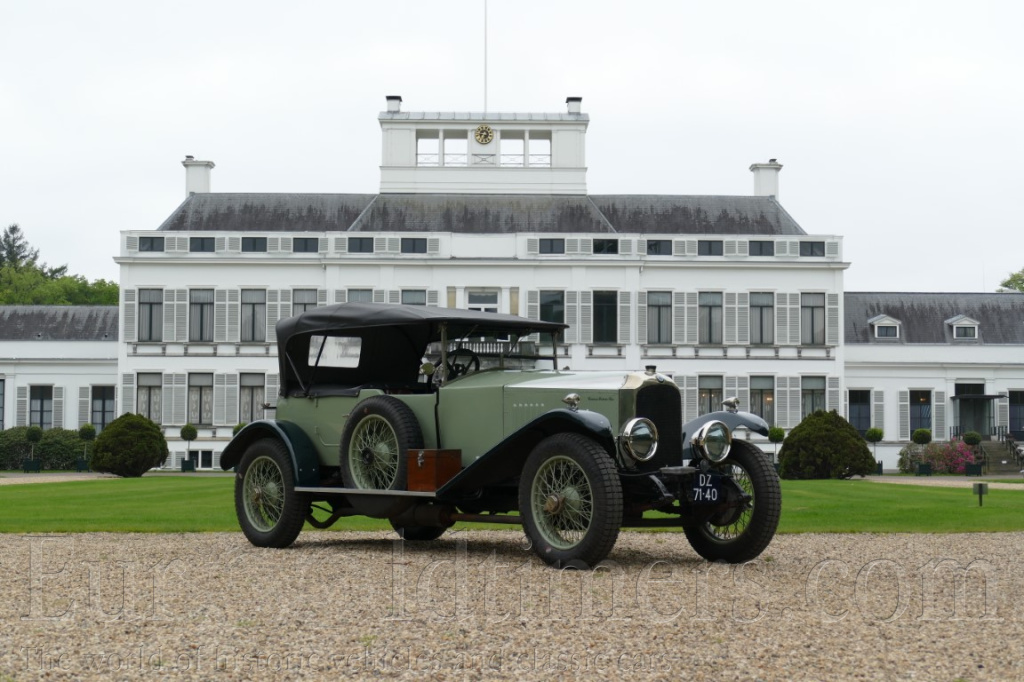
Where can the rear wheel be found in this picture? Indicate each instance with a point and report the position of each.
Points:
(269, 510)
(570, 499)
(742, 532)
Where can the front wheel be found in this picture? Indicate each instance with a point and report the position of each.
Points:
(570, 499)
(269, 510)
(741, 533)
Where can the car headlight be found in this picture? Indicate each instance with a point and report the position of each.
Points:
(639, 439)
(712, 441)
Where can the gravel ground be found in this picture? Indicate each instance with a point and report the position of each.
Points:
(478, 605)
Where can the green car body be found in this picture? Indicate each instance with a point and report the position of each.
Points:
(577, 454)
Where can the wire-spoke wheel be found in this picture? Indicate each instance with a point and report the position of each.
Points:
(269, 510)
(742, 532)
(374, 446)
(571, 501)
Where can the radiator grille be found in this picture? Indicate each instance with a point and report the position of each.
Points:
(662, 405)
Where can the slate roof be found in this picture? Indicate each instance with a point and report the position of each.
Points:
(483, 214)
(923, 316)
(58, 323)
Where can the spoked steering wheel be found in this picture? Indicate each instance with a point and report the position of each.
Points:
(456, 368)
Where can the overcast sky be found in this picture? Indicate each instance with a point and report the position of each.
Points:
(898, 123)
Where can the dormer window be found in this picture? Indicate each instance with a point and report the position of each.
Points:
(885, 327)
(964, 328)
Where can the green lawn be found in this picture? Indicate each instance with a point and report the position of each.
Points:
(163, 504)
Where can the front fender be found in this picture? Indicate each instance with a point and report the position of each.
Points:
(506, 459)
(733, 420)
(304, 457)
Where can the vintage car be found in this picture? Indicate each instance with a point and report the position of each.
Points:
(428, 416)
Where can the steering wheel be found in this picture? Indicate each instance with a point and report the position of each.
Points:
(457, 369)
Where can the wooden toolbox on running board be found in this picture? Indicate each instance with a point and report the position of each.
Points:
(431, 469)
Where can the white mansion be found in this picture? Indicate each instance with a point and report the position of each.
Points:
(491, 211)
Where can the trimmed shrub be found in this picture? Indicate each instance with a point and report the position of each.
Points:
(972, 438)
(14, 447)
(59, 448)
(776, 435)
(129, 446)
(921, 436)
(824, 445)
(33, 435)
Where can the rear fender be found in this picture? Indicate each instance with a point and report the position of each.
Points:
(507, 458)
(304, 456)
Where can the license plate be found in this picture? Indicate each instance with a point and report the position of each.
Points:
(706, 488)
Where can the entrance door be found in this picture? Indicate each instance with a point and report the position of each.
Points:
(975, 413)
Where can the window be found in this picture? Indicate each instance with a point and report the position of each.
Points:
(606, 327)
(709, 247)
(360, 296)
(151, 315)
(552, 309)
(151, 243)
(1016, 408)
(920, 410)
(254, 315)
(710, 392)
(102, 406)
(414, 297)
(762, 318)
(484, 301)
(812, 319)
(860, 410)
(148, 402)
(200, 399)
(812, 392)
(552, 246)
(254, 244)
(762, 398)
(965, 332)
(812, 249)
(659, 247)
(659, 317)
(886, 331)
(201, 244)
(200, 315)
(303, 300)
(761, 248)
(40, 406)
(414, 245)
(305, 245)
(709, 317)
(606, 246)
(360, 244)
(250, 398)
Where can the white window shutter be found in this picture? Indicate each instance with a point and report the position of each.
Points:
(625, 247)
(904, 414)
(180, 399)
(572, 316)
(832, 249)
(533, 304)
(939, 410)
(234, 314)
(128, 394)
(730, 317)
(220, 315)
(219, 398)
(286, 303)
(679, 247)
(273, 244)
(586, 246)
(167, 399)
(1003, 413)
(878, 409)
(394, 244)
(131, 243)
(273, 314)
(272, 388)
(794, 319)
(321, 245)
(782, 319)
(340, 296)
(380, 296)
(341, 244)
(691, 318)
(742, 247)
(58, 407)
(782, 401)
(743, 318)
(219, 244)
(743, 392)
(690, 398)
(21, 411)
(234, 244)
(532, 246)
(380, 244)
(586, 317)
(180, 315)
(433, 245)
(83, 405)
(641, 318)
(832, 319)
(572, 247)
(678, 317)
(432, 297)
(394, 296)
(170, 315)
(130, 323)
(832, 395)
(321, 297)
(795, 402)
(625, 316)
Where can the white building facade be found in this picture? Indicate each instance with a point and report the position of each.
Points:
(490, 211)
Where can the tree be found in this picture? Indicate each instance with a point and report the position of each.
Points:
(87, 433)
(130, 445)
(188, 434)
(824, 445)
(1014, 281)
(16, 252)
(873, 435)
(33, 435)
(25, 281)
(776, 434)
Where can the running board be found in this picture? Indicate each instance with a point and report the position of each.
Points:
(322, 490)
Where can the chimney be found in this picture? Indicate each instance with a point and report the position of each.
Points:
(574, 104)
(197, 176)
(394, 103)
(766, 178)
